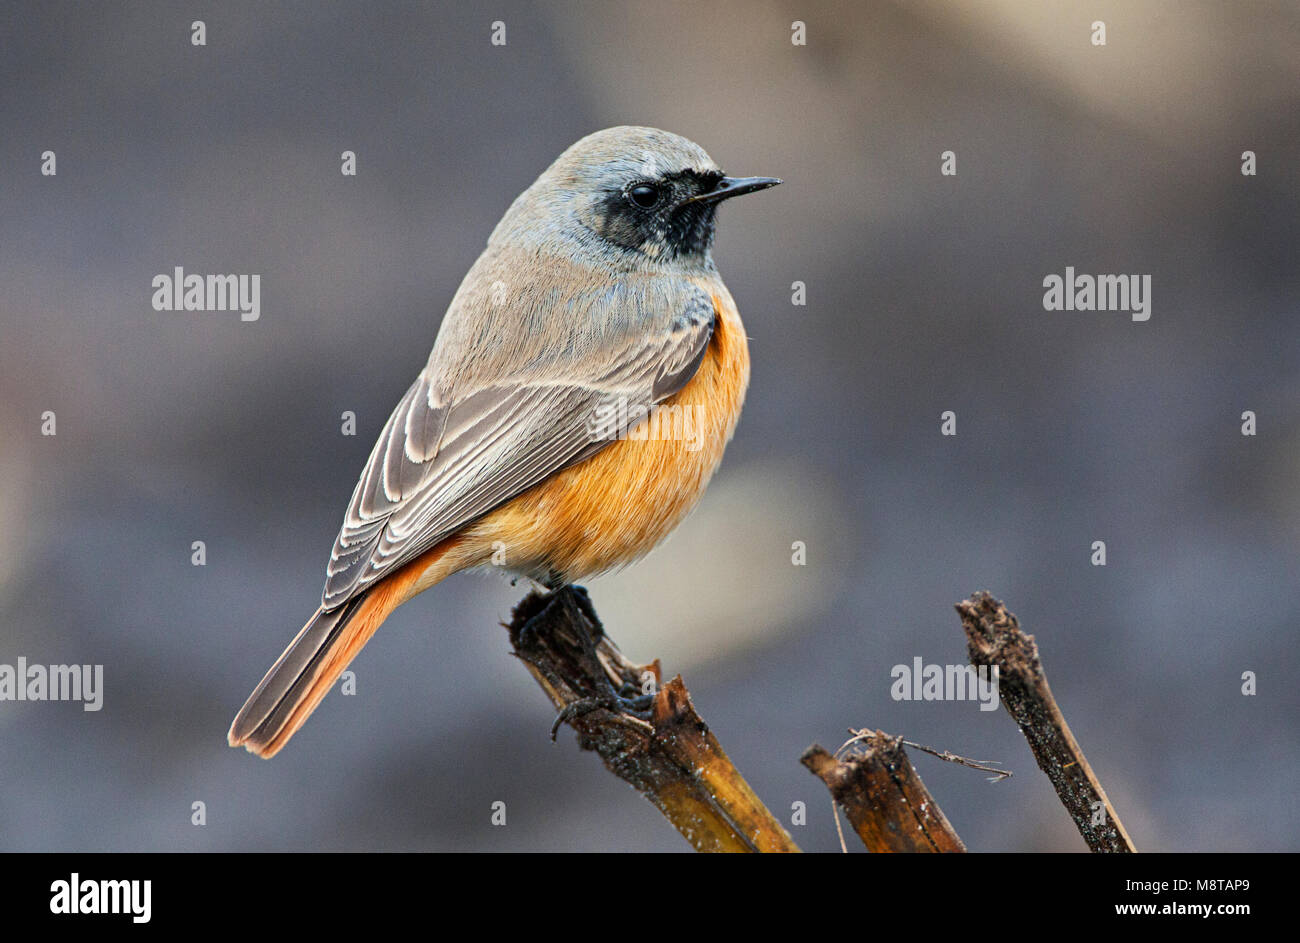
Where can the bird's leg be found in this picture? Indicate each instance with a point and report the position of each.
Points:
(624, 699)
(583, 599)
(549, 586)
(626, 694)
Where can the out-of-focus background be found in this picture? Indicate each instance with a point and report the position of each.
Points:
(924, 294)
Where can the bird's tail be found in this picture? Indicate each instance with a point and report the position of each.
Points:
(306, 671)
(326, 645)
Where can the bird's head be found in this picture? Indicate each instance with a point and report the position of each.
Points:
(637, 192)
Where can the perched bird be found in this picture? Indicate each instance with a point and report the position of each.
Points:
(595, 308)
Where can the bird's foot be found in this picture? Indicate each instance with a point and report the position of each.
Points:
(624, 699)
(610, 700)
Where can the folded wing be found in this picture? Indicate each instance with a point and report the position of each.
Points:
(444, 460)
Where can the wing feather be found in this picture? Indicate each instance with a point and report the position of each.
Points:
(438, 465)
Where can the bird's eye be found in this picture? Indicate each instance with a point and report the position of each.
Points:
(644, 195)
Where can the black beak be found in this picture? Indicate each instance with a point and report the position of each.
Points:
(728, 187)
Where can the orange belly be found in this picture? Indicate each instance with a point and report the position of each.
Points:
(617, 505)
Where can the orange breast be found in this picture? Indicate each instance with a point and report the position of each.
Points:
(617, 505)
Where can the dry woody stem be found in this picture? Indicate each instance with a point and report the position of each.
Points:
(883, 797)
(994, 637)
(665, 751)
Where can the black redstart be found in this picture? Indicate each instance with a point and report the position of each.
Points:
(595, 311)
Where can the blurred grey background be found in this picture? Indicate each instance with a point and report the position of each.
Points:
(924, 294)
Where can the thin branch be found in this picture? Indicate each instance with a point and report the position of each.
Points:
(884, 798)
(948, 756)
(995, 638)
(665, 751)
